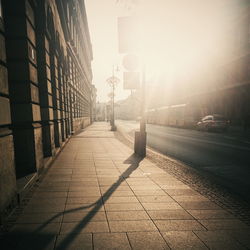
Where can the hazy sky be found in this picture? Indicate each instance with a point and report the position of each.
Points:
(178, 36)
(102, 19)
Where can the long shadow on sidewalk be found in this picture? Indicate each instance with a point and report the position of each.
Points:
(45, 239)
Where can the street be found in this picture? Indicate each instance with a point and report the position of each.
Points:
(220, 155)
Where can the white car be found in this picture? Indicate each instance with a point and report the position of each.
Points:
(213, 122)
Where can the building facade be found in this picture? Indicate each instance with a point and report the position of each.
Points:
(93, 102)
(45, 87)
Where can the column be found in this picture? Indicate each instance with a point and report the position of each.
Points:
(7, 165)
(23, 85)
(45, 88)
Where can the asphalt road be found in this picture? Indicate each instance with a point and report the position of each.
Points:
(216, 154)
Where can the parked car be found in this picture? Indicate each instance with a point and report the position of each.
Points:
(213, 122)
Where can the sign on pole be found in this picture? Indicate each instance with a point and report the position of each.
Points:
(131, 80)
(130, 62)
(127, 34)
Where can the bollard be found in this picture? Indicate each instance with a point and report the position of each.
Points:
(140, 143)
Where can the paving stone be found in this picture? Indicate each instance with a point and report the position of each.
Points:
(84, 178)
(167, 187)
(37, 218)
(80, 215)
(172, 182)
(84, 227)
(178, 225)
(140, 183)
(126, 199)
(42, 194)
(136, 173)
(56, 179)
(55, 175)
(214, 236)
(120, 193)
(53, 189)
(111, 183)
(123, 207)
(225, 245)
(161, 206)
(151, 187)
(84, 184)
(147, 240)
(110, 241)
(242, 236)
(36, 229)
(83, 194)
(210, 214)
(226, 224)
(84, 189)
(155, 198)
(152, 170)
(189, 198)
(127, 215)
(43, 208)
(183, 240)
(83, 200)
(199, 205)
(55, 170)
(114, 188)
(84, 207)
(144, 179)
(76, 242)
(112, 179)
(83, 171)
(28, 241)
(148, 192)
(36, 200)
(110, 174)
(132, 226)
(169, 214)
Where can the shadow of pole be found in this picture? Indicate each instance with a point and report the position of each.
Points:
(134, 160)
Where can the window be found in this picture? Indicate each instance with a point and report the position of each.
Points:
(1, 10)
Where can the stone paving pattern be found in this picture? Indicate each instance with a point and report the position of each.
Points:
(99, 195)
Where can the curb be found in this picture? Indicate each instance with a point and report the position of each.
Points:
(150, 150)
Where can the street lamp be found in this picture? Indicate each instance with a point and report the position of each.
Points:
(113, 81)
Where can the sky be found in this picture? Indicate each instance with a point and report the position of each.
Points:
(102, 19)
(176, 37)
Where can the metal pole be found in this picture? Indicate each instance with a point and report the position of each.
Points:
(142, 121)
(141, 136)
(113, 128)
(113, 104)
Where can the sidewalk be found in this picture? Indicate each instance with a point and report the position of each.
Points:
(98, 195)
